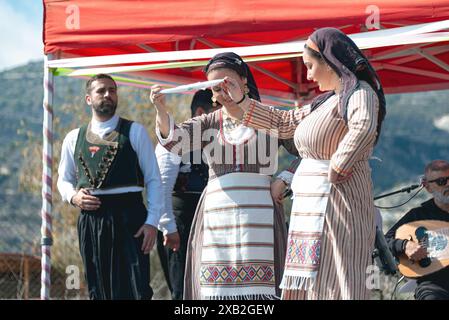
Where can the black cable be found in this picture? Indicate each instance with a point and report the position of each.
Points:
(393, 294)
(402, 203)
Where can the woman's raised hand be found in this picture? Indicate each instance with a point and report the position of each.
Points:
(232, 89)
(162, 117)
(158, 99)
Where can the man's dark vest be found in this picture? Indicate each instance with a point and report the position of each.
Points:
(107, 163)
(193, 181)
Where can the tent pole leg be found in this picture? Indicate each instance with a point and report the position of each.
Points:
(47, 180)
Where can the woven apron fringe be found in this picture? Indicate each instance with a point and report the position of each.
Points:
(243, 297)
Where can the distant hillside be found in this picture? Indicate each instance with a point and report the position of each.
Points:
(21, 115)
(410, 137)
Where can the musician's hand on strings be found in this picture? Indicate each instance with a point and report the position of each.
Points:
(415, 251)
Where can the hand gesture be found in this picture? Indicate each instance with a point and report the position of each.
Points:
(149, 237)
(83, 200)
(158, 99)
(336, 178)
(172, 241)
(232, 89)
(414, 251)
(277, 190)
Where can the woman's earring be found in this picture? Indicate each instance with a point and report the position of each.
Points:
(214, 102)
(246, 90)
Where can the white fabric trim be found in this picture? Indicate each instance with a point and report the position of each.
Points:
(286, 176)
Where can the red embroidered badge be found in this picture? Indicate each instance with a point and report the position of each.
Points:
(93, 150)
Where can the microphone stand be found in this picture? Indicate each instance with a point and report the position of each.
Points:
(382, 252)
(407, 189)
(289, 192)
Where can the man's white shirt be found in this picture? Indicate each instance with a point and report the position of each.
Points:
(169, 168)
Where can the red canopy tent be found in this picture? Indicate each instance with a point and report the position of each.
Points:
(98, 28)
(170, 40)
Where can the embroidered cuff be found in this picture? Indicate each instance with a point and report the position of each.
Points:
(339, 170)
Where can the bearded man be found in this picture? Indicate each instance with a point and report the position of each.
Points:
(105, 165)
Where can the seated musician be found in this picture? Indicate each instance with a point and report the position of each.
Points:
(434, 286)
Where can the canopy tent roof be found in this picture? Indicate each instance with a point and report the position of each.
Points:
(102, 28)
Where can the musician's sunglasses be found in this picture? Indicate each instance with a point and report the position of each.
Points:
(440, 181)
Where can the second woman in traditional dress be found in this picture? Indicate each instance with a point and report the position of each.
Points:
(332, 228)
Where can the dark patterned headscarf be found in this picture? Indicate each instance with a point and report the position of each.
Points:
(231, 60)
(350, 64)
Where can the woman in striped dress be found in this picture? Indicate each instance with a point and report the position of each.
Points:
(237, 243)
(332, 228)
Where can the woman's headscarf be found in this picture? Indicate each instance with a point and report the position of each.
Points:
(350, 64)
(231, 60)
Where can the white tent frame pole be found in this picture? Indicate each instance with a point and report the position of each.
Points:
(431, 74)
(424, 38)
(435, 60)
(421, 33)
(432, 50)
(397, 52)
(147, 47)
(47, 180)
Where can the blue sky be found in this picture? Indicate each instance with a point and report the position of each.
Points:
(20, 32)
